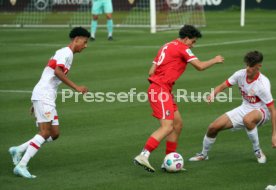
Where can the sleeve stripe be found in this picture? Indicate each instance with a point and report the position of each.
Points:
(228, 83)
(271, 103)
(189, 60)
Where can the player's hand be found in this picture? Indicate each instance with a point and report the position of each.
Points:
(31, 110)
(274, 141)
(219, 59)
(82, 89)
(209, 99)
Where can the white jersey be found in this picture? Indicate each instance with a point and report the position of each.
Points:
(46, 89)
(256, 94)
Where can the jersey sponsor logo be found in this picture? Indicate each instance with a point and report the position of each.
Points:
(203, 2)
(44, 4)
(41, 4)
(174, 4)
(250, 97)
(189, 51)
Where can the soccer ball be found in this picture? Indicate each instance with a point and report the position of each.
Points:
(173, 162)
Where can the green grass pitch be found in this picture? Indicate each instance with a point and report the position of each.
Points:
(99, 140)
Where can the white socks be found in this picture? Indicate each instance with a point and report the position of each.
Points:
(207, 144)
(254, 138)
(145, 153)
(32, 149)
(23, 147)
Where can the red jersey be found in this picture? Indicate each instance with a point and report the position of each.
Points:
(171, 62)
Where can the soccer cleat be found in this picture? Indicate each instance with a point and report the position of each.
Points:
(92, 39)
(16, 155)
(163, 167)
(260, 156)
(198, 157)
(110, 38)
(23, 171)
(143, 161)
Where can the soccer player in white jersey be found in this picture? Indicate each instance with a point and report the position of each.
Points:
(43, 99)
(257, 107)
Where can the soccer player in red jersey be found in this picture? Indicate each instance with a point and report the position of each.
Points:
(43, 99)
(168, 66)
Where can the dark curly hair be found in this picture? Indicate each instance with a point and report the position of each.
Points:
(79, 31)
(189, 31)
(252, 58)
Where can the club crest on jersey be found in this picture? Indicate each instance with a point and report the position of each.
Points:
(251, 92)
(168, 112)
(47, 114)
(190, 53)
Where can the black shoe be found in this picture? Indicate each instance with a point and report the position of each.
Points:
(92, 39)
(110, 38)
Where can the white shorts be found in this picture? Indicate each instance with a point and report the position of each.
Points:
(45, 113)
(236, 116)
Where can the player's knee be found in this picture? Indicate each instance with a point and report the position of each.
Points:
(55, 137)
(168, 127)
(247, 121)
(213, 129)
(45, 134)
(178, 125)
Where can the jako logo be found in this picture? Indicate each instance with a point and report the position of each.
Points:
(203, 2)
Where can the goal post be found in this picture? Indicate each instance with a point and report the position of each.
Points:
(242, 12)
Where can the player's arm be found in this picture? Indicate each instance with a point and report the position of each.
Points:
(202, 65)
(272, 111)
(217, 90)
(152, 69)
(59, 73)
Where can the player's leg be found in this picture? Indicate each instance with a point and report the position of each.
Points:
(221, 123)
(251, 120)
(108, 9)
(172, 138)
(33, 147)
(96, 10)
(166, 127)
(54, 132)
(45, 115)
(162, 105)
(109, 24)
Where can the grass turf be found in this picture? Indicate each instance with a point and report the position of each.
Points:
(99, 140)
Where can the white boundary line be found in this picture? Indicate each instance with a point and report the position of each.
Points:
(144, 46)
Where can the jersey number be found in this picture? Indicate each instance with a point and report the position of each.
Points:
(162, 55)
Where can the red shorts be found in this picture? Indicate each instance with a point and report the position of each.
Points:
(161, 102)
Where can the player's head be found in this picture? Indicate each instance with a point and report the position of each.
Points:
(78, 32)
(189, 34)
(253, 61)
(253, 58)
(189, 31)
(79, 37)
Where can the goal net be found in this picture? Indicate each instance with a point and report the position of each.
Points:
(127, 13)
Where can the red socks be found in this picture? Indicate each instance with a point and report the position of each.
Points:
(170, 147)
(151, 144)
